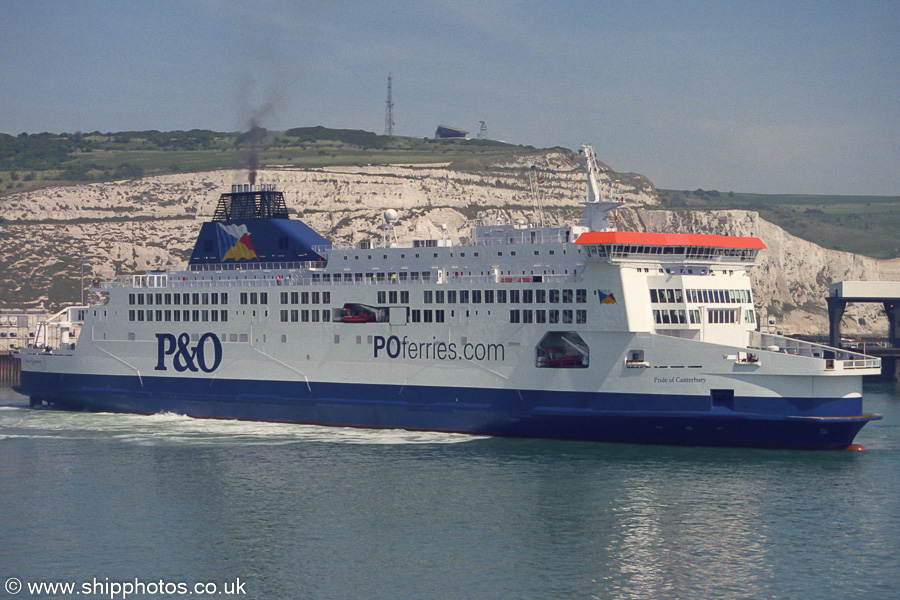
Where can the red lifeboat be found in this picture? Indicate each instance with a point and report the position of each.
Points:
(350, 315)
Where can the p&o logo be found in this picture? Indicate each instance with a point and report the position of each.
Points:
(185, 357)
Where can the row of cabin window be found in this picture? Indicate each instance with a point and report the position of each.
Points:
(547, 316)
(392, 296)
(254, 298)
(176, 316)
(426, 316)
(677, 296)
(675, 316)
(513, 296)
(374, 276)
(713, 315)
(305, 316)
(175, 299)
(305, 297)
(723, 315)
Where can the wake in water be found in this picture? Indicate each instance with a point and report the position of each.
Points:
(17, 420)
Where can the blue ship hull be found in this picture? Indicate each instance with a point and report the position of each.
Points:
(635, 418)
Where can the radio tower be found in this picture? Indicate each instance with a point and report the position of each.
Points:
(389, 111)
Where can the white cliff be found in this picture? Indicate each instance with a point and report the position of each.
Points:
(134, 225)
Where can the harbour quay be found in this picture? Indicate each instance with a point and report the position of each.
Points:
(886, 293)
(17, 328)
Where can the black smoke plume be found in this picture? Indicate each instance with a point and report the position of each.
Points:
(254, 143)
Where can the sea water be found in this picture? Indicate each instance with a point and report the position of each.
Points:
(125, 506)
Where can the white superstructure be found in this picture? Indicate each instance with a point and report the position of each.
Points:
(577, 331)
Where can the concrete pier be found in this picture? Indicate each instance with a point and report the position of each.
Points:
(886, 293)
(890, 361)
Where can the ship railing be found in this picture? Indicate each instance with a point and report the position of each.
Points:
(834, 357)
(187, 279)
(497, 238)
(378, 278)
(255, 266)
(376, 245)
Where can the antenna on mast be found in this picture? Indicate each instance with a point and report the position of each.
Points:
(596, 215)
(389, 111)
(534, 181)
(594, 194)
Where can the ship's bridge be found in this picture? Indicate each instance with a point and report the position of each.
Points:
(616, 246)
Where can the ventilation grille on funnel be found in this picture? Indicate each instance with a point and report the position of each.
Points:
(251, 202)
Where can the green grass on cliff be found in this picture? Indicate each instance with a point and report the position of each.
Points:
(868, 225)
(35, 161)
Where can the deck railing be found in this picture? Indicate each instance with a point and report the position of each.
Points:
(314, 277)
(833, 356)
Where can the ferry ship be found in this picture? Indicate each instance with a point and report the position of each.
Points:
(574, 332)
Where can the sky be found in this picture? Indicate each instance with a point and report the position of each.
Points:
(765, 97)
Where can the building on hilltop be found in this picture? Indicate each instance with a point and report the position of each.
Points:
(449, 133)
